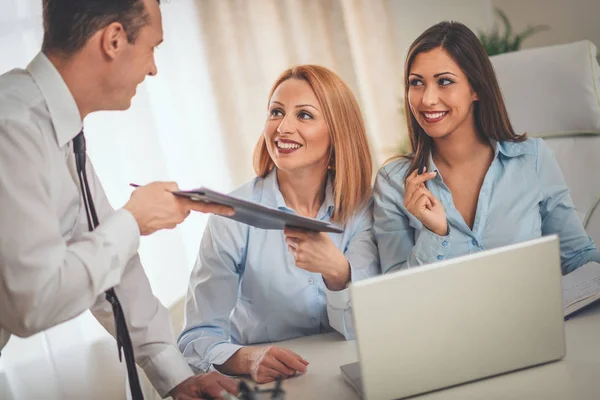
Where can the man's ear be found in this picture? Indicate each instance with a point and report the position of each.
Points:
(113, 40)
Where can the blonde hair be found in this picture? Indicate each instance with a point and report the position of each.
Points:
(350, 162)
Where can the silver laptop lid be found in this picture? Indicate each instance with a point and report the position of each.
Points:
(459, 320)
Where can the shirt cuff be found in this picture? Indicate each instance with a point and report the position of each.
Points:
(121, 234)
(219, 354)
(166, 370)
(123, 230)
(339, 300)
(431, 247)
(339, 312)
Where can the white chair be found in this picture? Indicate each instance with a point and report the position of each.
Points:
(592, 222)
(552, 90)
(579, 160)
(554, 93)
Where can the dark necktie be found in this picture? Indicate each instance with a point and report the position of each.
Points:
(122, 333)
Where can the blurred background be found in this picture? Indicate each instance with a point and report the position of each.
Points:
(197, 121)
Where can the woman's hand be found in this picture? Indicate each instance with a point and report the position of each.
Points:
(421, 203)
(316, 252)
(264, 364)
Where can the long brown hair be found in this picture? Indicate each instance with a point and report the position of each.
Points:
(491, 117)
(350, 161)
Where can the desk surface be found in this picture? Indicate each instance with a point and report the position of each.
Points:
(576, 377)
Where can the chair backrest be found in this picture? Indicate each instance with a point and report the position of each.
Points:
(551, 90)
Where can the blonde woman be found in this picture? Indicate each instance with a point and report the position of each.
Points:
(253, 286)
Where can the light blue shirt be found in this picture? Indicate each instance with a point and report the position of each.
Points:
(523, 197)
(246, 289)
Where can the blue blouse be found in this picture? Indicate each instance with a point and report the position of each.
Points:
(245, 287)
(523, 197)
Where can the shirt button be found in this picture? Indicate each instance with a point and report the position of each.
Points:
(311, 281)
(440, 257)
(474, 242)
(445, 243)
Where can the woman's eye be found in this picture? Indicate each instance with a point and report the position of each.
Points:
(445, 82)
(416, 82)
(276, 112)
(304, 115)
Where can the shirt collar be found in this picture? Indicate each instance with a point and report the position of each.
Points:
(504, 147)
(61, 104)
(273, 197)
(513, 149)
(432, 168)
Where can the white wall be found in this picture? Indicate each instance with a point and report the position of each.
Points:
(569, 20)
(411, 17)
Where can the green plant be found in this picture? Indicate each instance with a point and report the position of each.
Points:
(497, 42)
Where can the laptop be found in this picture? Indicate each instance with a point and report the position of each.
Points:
(435, 326)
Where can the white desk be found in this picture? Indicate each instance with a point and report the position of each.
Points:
(576, 377)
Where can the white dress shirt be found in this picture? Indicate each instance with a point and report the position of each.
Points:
(51, 267)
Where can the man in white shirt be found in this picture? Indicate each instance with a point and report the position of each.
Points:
(52, 268)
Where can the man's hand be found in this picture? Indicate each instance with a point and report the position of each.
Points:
(154, 207)
(210, 385)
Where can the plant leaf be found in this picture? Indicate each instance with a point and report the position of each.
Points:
(506, 22)
(495, 42)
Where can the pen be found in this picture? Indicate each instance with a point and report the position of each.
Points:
(135, 185)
